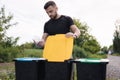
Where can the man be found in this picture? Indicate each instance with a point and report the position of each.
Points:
(58, 24)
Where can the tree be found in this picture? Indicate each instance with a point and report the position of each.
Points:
(5, 24)
(116, 42)
(104, 49)
(84, 33)
(91, 45)
(8, 48)
(86, 41)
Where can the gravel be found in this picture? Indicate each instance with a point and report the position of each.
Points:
(113, 68)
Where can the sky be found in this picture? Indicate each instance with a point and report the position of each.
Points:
(99, 15)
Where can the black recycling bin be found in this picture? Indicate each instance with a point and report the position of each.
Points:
(30, 68)
(58, 70)
(91, 69)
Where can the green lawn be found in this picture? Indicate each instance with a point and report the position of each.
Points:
(31, 53)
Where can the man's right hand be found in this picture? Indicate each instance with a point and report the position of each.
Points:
(39, 44)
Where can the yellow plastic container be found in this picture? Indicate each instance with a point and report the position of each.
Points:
(58, 48)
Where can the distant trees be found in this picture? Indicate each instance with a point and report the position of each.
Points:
(116, 40)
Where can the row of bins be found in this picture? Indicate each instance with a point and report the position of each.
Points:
(41, 69)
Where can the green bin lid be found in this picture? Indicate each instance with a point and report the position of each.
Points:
(91, 60)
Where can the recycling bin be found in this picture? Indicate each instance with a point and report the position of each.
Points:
(58, 70)
(30, 68)
(91, 69)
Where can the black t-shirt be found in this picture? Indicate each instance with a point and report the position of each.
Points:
(58, 26)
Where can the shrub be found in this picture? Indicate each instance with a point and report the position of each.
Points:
(100, 56)
(79, 52)
(31, 53)
(8, 54)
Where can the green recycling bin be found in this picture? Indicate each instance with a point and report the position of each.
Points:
(30, 68)
(91, 68)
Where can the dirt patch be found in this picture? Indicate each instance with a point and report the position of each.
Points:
(6, 66)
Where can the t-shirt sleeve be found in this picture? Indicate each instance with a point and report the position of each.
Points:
(70, 21)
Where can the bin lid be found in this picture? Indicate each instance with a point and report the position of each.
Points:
(58, 48)
(92, 60)
(28, 59)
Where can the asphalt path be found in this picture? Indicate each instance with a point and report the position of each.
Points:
(113, 68)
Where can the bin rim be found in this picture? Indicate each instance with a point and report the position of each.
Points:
(28, 59)
(91, 60)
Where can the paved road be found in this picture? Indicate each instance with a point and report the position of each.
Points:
(113, 68)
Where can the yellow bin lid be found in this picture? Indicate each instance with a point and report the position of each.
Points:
(58, 48)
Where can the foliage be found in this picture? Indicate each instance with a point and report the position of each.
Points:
(79, 52)
(8, 47)
(84, 33)
(31, 53)
(86, 41)
(8, 54)
(104, 49)
(110, 47)
(5, 24)
(91, 46)
(100, 56)
(116, 54)
(116, 42)
(27, 45)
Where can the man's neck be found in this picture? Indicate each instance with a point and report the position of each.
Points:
(58, 16)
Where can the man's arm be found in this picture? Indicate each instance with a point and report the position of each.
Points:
(43, 40)
(44, 37)
(75, 32)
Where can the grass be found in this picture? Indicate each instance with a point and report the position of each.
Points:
(116, 54)
(7, 71)
(31, 53)
(100, 56)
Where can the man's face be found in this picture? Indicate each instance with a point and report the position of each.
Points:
(52, 12)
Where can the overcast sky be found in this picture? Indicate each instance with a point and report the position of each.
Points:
(100, 16)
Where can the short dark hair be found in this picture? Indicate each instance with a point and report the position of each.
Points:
(49, 3)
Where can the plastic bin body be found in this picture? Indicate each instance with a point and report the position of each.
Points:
(91, 70)
(30, 69)
(58, 70)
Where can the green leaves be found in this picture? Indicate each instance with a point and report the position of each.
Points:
(86, 41)
(5, 24)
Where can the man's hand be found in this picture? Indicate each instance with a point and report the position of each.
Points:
(40, 44)
(69, 34)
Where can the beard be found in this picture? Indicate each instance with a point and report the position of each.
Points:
(53, 17)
